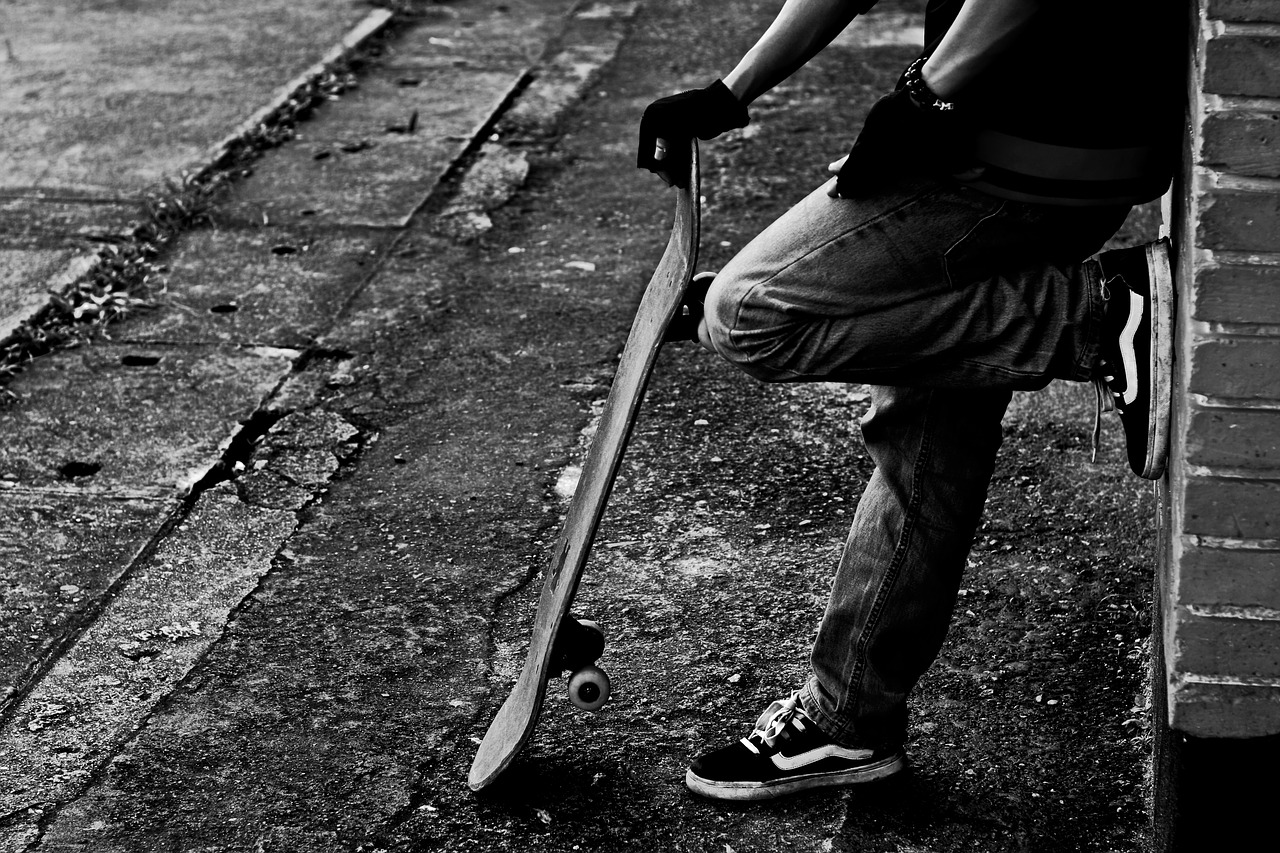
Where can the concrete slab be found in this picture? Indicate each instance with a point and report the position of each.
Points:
(108, 96)
(83, 544)
(298, 455)
(138, 137)
(144, 643)
(591, 41)
(495, 176)
(450, 102)
(482, 33)
(26, 277)
(132, 421)
(44, 220)
(265, 286)
(356, 163)
(342, 713)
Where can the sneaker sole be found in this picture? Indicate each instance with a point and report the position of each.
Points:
(781, 788)
(1160, 278)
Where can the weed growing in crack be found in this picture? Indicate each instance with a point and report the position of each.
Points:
(281, 126)
(120, 279)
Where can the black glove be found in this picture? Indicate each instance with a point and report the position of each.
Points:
(676, 119)
(904, 134)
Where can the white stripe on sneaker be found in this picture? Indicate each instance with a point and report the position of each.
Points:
(1130, 358)
(831, 750)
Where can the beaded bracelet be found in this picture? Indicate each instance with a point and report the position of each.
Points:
(913, 81)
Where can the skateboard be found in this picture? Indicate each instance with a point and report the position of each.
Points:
(559, 641)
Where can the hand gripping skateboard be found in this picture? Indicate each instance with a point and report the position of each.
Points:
(559, 641)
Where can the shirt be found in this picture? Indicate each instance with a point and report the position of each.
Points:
(1085, 108)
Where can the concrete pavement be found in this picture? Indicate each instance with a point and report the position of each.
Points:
(115, 453)
(103, 101)
(270, 550)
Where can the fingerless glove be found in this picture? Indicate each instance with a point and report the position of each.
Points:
(704, 113)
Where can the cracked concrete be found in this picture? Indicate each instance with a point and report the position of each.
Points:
(169, 612)
(226, 452)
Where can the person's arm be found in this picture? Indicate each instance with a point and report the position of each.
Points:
(982, 30)
(801, 29)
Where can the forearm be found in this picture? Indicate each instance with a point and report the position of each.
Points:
(982, 31)
(801, 29)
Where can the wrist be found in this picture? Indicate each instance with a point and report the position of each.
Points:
(944, 78)
(739, 86)
(724, 109)
(916, 82)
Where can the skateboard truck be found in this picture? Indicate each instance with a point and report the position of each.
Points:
(684, 327)
(579, 643)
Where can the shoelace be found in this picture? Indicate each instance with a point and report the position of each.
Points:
(774, 721)
(1106, 398)
(1105, 403)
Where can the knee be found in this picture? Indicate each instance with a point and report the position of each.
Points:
(719, 315)
(742, 326)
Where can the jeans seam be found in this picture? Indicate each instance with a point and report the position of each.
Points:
(877, 376)
(946, 266)
(896, 562)
(1096, 312)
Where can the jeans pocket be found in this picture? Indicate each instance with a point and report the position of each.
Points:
(979, 251)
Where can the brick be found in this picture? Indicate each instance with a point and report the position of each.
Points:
(1237, 648)
(1225, 710)
(1232, 438)
(1238, 220)
(1237, 293)
(1258, 11)
(1243, 63)
(1235, 577)
(1242, 143)
(1236, 368)
(1231, 509)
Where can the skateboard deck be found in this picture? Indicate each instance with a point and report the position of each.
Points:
(515, 721)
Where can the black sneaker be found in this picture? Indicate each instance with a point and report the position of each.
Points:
(1136, 352)
(786, 753)
(685, 325)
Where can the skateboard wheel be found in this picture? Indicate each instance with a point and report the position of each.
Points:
(589, 688)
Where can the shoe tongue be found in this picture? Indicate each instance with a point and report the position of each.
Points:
(777, 718)
(767, 718)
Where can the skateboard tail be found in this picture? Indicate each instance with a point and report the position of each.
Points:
(514, 723)
(496, 751)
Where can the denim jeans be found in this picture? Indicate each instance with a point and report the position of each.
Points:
(944, 300)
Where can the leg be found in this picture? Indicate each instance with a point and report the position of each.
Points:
(948, 299)
(894, 590)
(954, 298)
(933, 285)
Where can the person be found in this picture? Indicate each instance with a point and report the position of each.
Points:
(952, 259)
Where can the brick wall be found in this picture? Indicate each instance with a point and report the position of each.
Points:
(1221, 538)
